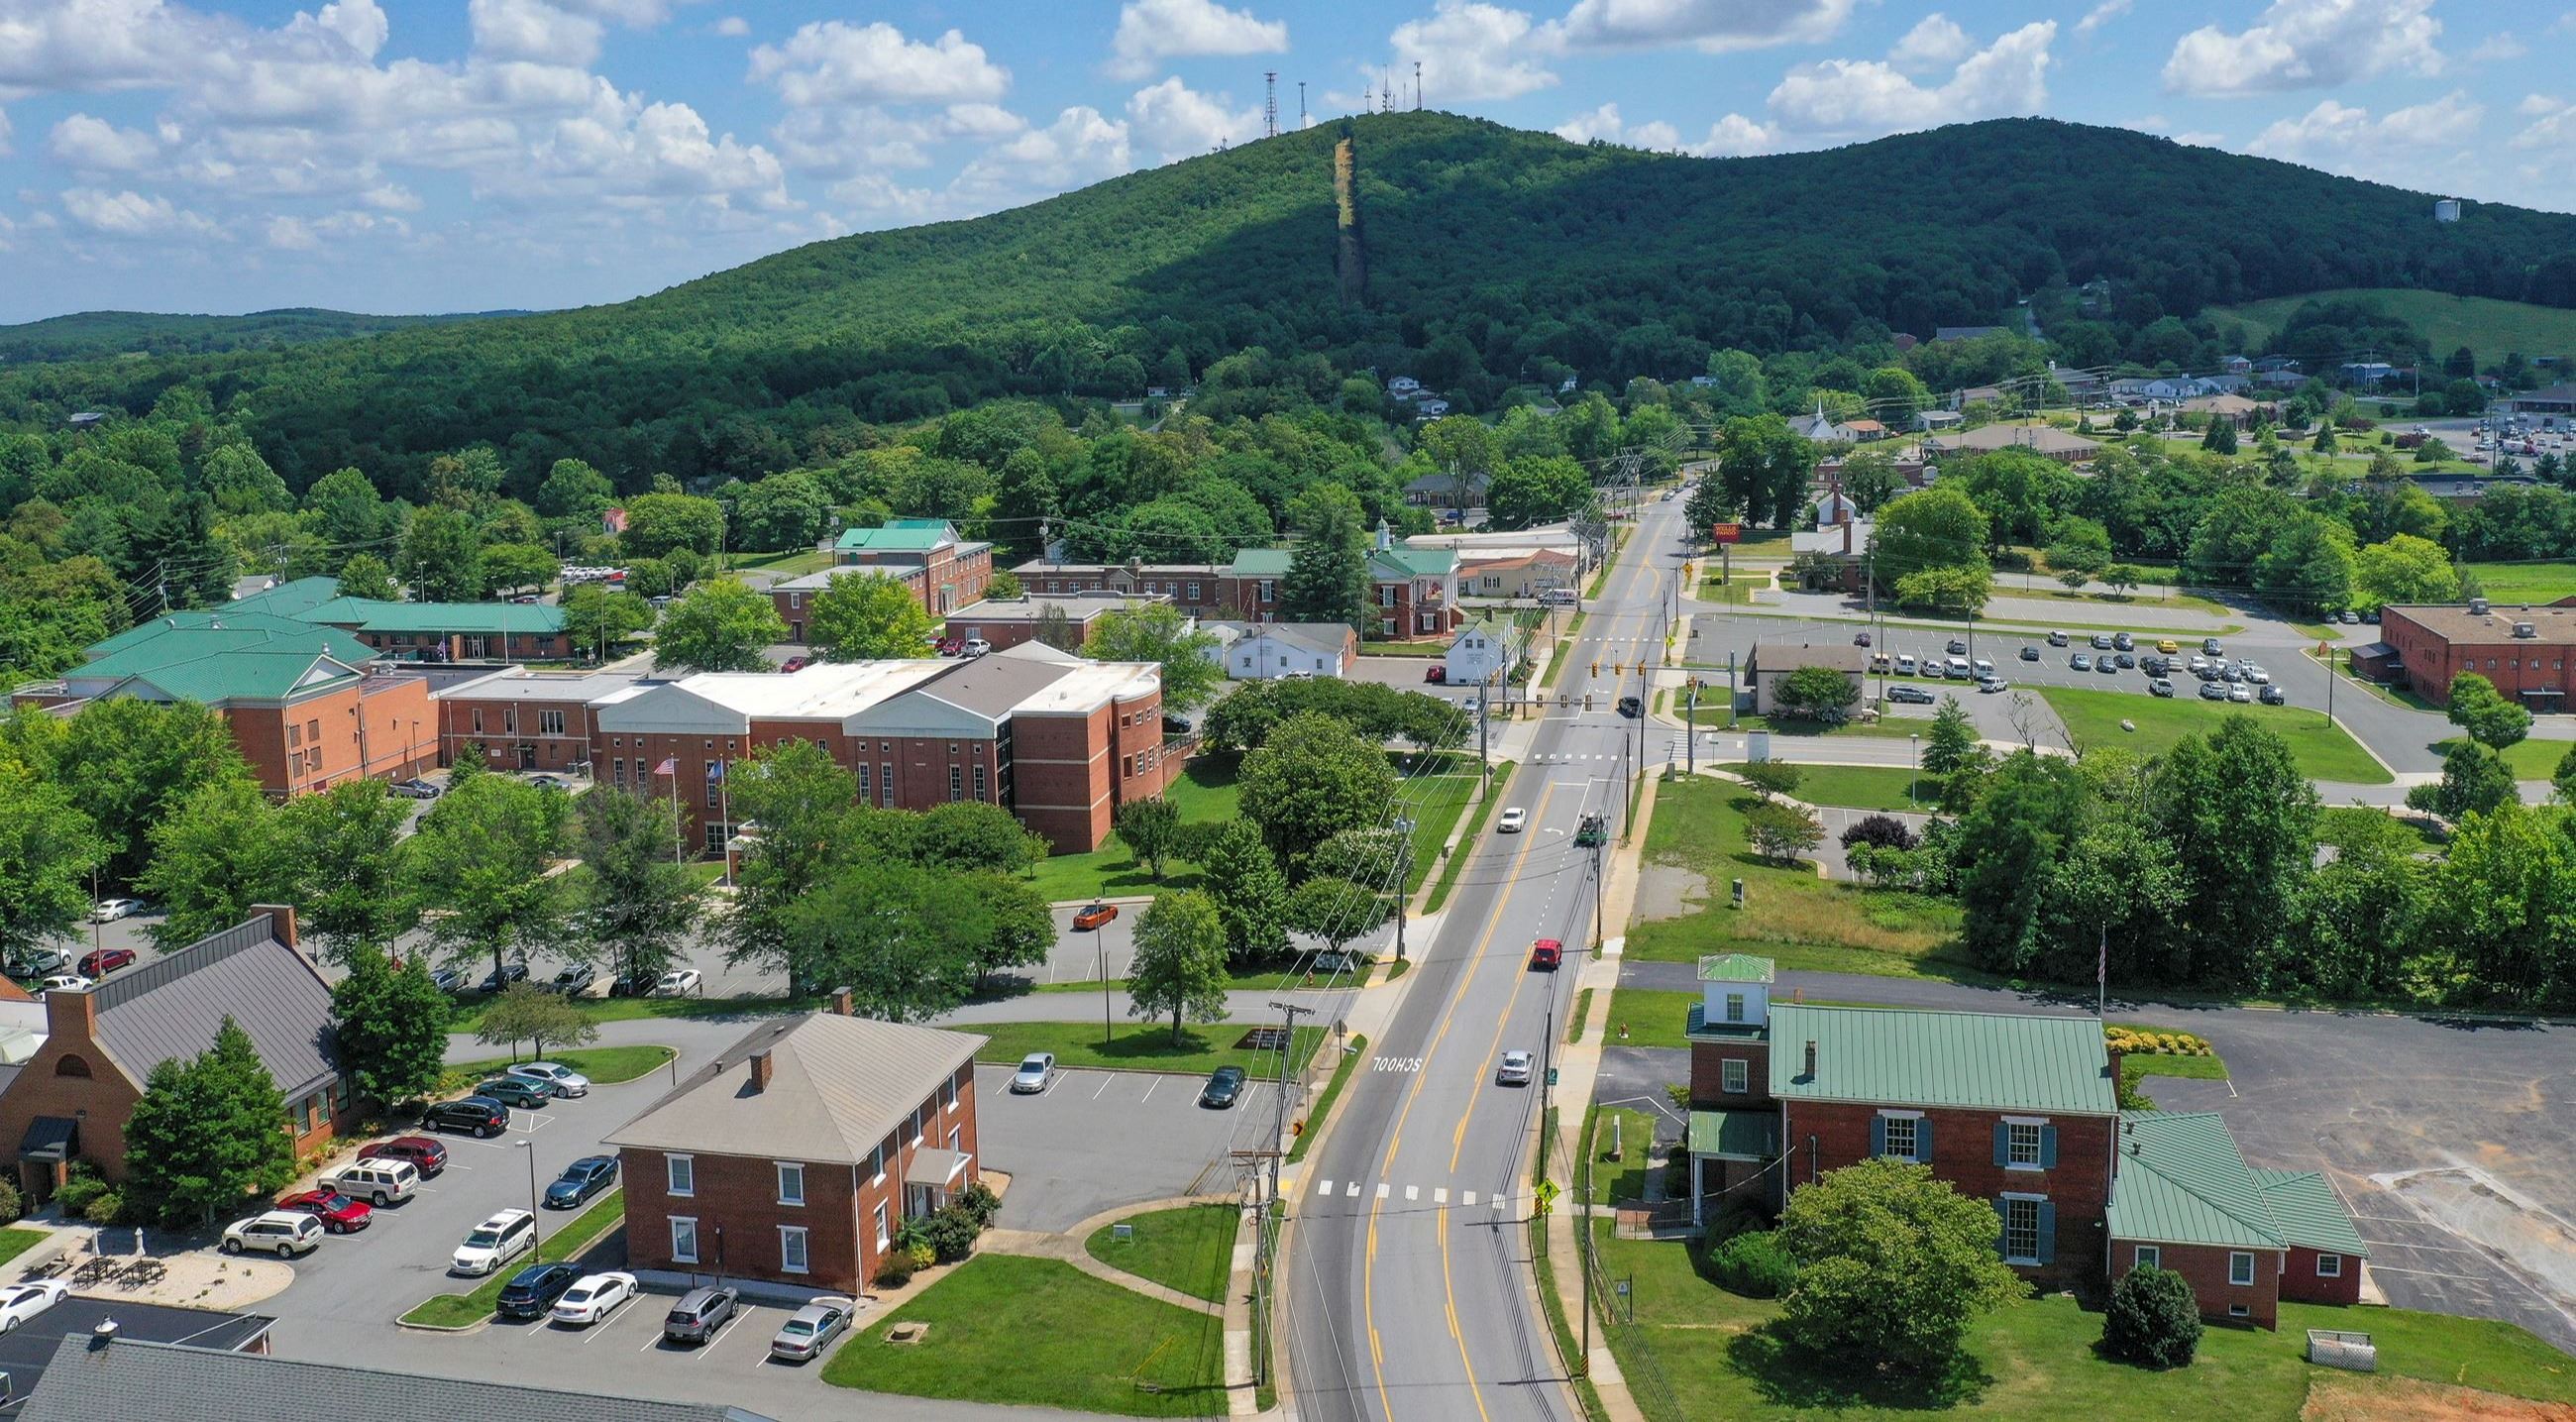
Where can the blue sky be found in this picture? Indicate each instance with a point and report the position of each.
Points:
(398, 155)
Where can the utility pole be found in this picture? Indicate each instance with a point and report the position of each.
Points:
(1287, 1052)
(1690, 728)
(1301, 103)
(1403, 868)
(1596, 894)
(1730, 691)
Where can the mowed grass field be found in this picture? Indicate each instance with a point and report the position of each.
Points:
(2323, 750)
(2486, 326)
(2524, 582)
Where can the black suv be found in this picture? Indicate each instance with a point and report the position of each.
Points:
(531, 1293)
(480, 1115)
(1631, 706)
(698, 1314)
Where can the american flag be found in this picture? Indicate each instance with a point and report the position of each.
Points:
(670, 766)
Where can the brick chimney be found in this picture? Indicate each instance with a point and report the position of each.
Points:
(71, 1016)
(840, 1002)
(281, 921)
(760, 1067)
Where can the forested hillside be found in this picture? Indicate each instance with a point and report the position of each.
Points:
(88, 334)
(1494, 256)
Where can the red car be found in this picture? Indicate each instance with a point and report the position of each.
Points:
(338, 1213)
(796, 664)
(1436, 673)
(952, 646)
(1091, 917)
(426, 1155)
(105, 961)
(1546, 953)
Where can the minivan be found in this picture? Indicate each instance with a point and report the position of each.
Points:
(1985, 669)
(1905, 664)
(1959, 669)
(379, 1181)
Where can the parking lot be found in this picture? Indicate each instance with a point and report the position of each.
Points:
(1100, 1139)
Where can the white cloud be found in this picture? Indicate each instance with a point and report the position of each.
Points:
(2497, 48)
(129, 214)
(291, 234)
(1868, 96)
(97, 146)
(627, 152)
(2343, 138)
(1472, 51)
(732, 27)
(2101, 15)
(1935, 42)
(533, 30)
(2307, 44)
(359, 24)
(2552, 126)
(1150, 31)
(391, 197)
(1182, 122)
(1736, 136)
(1081, 146)
(842, 140)
(1715, 26)
(4, 133)
(1605, 125)
(829, 62)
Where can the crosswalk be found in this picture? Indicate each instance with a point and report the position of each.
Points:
(1411, 1194)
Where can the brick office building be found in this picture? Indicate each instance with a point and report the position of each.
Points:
(525, 720)
(1010, 622)
(2245, 1238)
(2526, 651)
(1413, 592)
(795, 1157)
(946, 570)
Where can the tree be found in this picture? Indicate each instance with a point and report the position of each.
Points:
(340, 859)
(2241, 822)
(2080, 549)
(642, 900)
(719, 625)
(2220, 439)
(1251, 895)
(2562, 781)
(2325, 443)
(1328, 573)
(1004, 586)
(517, 567)
(1869, 479)
(1771, 777)
(207, 1131)
(2405, 569)
(2475, 780)
(1165, 636)
(1781, 831)
(1816, 694)
(1712, 503)
(908, 942)
(481, 864)
(391, 1027)
(806, 806)
(658, 523)
(48, 849)
(1311, 778)
(1179, 965)
(597, 618)
(2479, 709)
(2010, 843)
(524, 1012)
(1335, 910)
(1929, 529)
(1765, 467)
(2123, 578)
(971, 834)
(2152, 1320)
(1952, 743)
(442, 557)
(1022, 925)
(1893, 1266)
(365, 575)
(2495, 921)
(1879, 832)
(212, 858)
(574, 490)
(127, 764)
(862, 617)
(1149, 829)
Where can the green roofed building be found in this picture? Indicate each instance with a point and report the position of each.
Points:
(2245, 1238)
(1413, 591)
(944, 571)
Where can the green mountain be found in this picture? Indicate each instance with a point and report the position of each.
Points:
(1493, 256)
(85, 335)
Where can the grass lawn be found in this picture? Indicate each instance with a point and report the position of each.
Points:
(2322, 751)
(1038, 1332)
(560, 1242)
(2524, 582)
(1249, 977)
(2036, 1358)
(1735, 592)
(14, 1242)
(469, 1011)
(1790, 915)
(1189, 1250)
(605, 1066)
(1457, 863)
(1403, 649)
(1884, 728)
(1322, 1110)
(2448, 322)
(1653, 1018)
(2528, 760)
(1857, 787)
(1140, 1046)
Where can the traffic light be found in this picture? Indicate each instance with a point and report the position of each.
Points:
(1596, 669)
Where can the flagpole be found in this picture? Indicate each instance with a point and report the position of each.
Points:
(2102, 973)
(676, 845)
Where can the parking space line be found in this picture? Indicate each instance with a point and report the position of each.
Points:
(1149, 1091)
(1105, 1079)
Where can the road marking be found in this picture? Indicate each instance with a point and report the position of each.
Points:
(1105, 1079)
(1354, 1191)
(1149, 1091)
(1412, 1192)
(1499, 1202)
(1440, 1196)
(1381, 1189)
(1467, 1198)
(2379, 1268)
(1323, 1187)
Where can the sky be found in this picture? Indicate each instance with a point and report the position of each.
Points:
(462, 155)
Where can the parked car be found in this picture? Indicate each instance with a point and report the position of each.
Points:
(416, 789)
(2124, 661)
(100, 962)
(1091, 916)
(803, 1336)
(1036, 1073)
(1958, 647)
(951, 646)
(975, 647)
(1935, 668)
(481, 1115)
(1513, 821)
(2168, 646)
(1224, 1088)
(427, 1156)
(447, 980)
(1911, 694)
(581, 1180)
(549, 782)
(1436, 673)
(501, 977)
(680, 982)
(1905, 664)
(1631, 707)
(1514, 1070)
(495, 1242)
(516, 1091)
(2241, 695)
(2160, 687)
(562, 1079)
(338, 1213)
(279, 1232)
(2212, 691)
(2273, 696)
(2106, 666)
(1546, 954)
(2209, 647)
(2030, 654)
(795, 664)
(2123, 642)
(2057, 639)
(110, 910)
(379, 1180)
(2258, 676)
(65, 982)
(39, 962)
(594, 1297)
(21, 1302)
(531, 1293)
(2101, 641)
(699, 1314)
(2080, 662)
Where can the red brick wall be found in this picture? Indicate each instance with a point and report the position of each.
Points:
(2301, 1283)
(2431, 660)
(1708, 1078)
(1062, 767)
(2206, 1270)
(515, 647)
(322, 747)
(506, 724)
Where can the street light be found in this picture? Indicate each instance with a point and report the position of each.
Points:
(536, 1234)
(1403, 867)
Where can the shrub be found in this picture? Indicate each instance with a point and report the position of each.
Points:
(1879, 832)
(79, 1190)
(12, 1205)
(2153, 1319)
(979, 1201)
(894, 1270)
(1753, 1264)
(104, 1208)
(950, 1234)
(921, 1255)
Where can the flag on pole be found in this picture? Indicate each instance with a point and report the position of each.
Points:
(670, 766)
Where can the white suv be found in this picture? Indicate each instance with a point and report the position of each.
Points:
(382, 1181)
(496, 1242)
(278, 1232)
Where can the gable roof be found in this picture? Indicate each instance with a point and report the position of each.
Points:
(2309, 1212)
(217, 656)
(1260, 563)
(902, 535)
(2182, 1181)
(289, 599)
(1972, 1060)
(1403, 561)
(1734, 968)
(838, 1087)
(171, 1006)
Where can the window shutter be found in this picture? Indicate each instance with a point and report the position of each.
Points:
(2003, 1144)
(1877, 1136)
(1923, 1141)
(2048, 1147)
(2047, 1232)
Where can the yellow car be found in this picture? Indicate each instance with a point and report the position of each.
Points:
(2168, 646)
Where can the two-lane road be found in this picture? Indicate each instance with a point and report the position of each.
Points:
(1408, 1283)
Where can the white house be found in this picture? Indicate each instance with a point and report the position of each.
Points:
(1484, 650)
(1431, 408)
(1824, 430)
(1403, 385)
(1266, 651)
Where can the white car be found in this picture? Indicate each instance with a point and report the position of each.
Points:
(20, 1302)
(595, 1297)
(563, 1079)
(805, 1333)
(680, 982)
(68, 982)
(1514, 1071)
(40, 962)
(975, 647)
(2258, 676)
(279, 1232)
(1514, 820)
(493, 1243)
(1036, 1073)
(110, 910)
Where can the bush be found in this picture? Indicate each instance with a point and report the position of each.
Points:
(921, 1255)
(1879, 832)
(894, 1270)
(1753, 1264)
(950, 1234)
(79, 1190)
(2153, 1319)
(979, 1201)
(105, 1208)
(12, 1206)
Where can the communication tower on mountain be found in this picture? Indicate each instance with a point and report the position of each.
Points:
(1270, 103)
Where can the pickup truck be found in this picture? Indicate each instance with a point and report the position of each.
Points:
(1593, 830)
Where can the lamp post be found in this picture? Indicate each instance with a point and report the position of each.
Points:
(537, 1236)
(1403, 867)
(1914, 740)
(1100, 957)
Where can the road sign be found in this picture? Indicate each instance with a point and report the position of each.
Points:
(1544, 1196)
(1551, 1076)
(1725, 532)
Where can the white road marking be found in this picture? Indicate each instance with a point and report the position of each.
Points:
(1381, 1189)
(1499, 1202)
(1105, 1079)
(1323, 1187)
(1467, 1198)
(1412, 1192)
(1149, 1091)
(1440, 1196)
(1354, 1192)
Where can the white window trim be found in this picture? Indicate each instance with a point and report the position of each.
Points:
(1735, 1076)
(2232, 1281)
(2148, 1256)
(669, 1181)
(883, 1238)
(804, 1244)
(782, 1167)
(2325, 1273)
(1916, 1149)
(676, 1256)
(2032, 1260)
(2037, 1123)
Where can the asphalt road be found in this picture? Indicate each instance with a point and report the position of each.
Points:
(1409, 1291)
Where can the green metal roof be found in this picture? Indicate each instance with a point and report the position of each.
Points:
(1972, 1060)
(905, 535)
(268, 675)
(216, 656)
(240, 627)
(2309, 1213)
(1260, 563)
(291, 599)
(488, 618)
(1407, 562)
(2182, 1181)
(1735, 1135)
(1734, 968)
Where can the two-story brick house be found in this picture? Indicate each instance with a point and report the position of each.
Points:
(797, 1154)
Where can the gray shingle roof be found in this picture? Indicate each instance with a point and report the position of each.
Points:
(165, 1382)
(837, 1088)
(172, 1006)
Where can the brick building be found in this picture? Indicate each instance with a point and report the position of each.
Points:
(1413, 592)
(1010, 622)
(1772, 662)
(2526, 651)
(1199, 589)
(944, 570)
(796, 1156)
(72, 1098)
(2245, 1238)
(523, 719)
(422, 631)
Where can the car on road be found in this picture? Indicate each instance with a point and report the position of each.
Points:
(1592, 830)
(680, 982)
(379, 1181)
(480, 1115)
(581, 1180)
(1514, 1070)
(1036, 1073)
(794, 664)
(1860, 639)
(21, 1302)
(2057, 639)
(279, 1232)
(1513, 821)
(1436, 673)
(2030, 654)
(506, 974)
(415, 789)
(2273, 696)
(700, 1314)
(495, 1242)
(1905, 664)
(1546, 954)
(427, 1156)
(2080, 662)
(1631, 707)
(562, 1079)
(1470, 707)
(2212, 691)
(1091, 916)
(110, 910)
(531, 1293)
(1913, 695)
(66, 982)
(516, 1091)
(98, 963)
(338, 1213)
(550, 782)
(1224, 1088)
(2160, 687)
(2241, 695)
(803, 1336)
(595, 1297)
